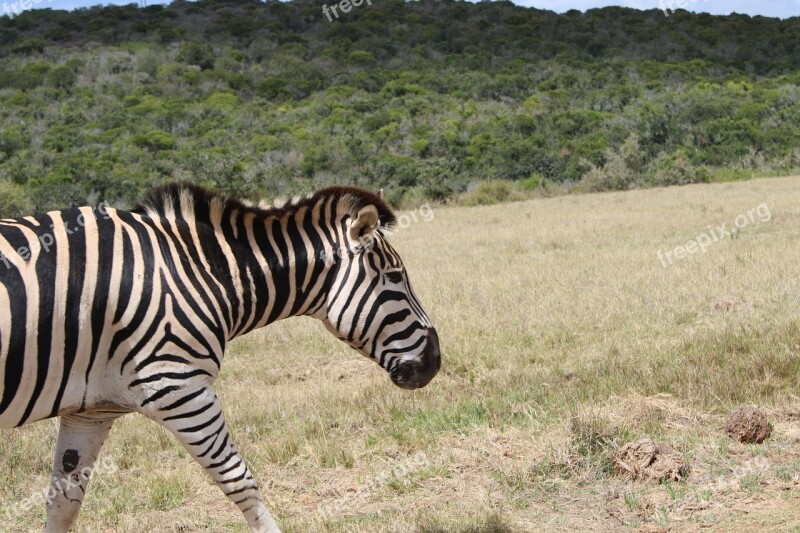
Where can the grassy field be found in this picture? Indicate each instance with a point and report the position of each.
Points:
(563, 336)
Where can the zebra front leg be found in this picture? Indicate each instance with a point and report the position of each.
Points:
(80, 438)
(195, 417)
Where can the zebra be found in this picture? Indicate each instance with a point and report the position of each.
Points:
(105, 312)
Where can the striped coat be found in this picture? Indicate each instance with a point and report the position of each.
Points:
(107, 312)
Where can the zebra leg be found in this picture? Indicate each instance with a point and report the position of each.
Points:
(79, 440)
(197, 421)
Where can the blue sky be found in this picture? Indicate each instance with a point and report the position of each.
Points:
(769, 8)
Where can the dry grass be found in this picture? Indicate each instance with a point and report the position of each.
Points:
(563, 338)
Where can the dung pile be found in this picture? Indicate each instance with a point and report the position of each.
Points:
(749, 425)
(650, 461)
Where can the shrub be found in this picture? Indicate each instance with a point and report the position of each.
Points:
(532, 182)
(620, 172)
(676, 169)
(222, 101)
(436, 189)
(614, 175)
(14, 201)
(398, 170)
(155, 140)
(62, 77)
(238, 55)
(193, 53)
(361, 57)
(273, 88)
(489, 192)
(11, 141)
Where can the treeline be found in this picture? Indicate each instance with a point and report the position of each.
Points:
(424, 99)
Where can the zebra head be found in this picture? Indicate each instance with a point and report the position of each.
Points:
(371, 305)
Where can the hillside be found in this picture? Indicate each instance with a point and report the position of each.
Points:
(425, 99)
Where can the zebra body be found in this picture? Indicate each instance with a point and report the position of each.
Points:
(106, 312)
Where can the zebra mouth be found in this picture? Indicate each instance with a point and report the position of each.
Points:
(416, 373)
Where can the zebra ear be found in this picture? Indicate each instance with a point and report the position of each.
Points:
(366, 221)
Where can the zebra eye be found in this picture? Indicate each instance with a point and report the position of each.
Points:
(394, 277)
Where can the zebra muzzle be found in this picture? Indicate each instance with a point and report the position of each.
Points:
(416, 373)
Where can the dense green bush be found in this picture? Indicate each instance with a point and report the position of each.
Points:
(489, 192)
(622, 169)
(676, 169)
(194, 53)
(62, 77)
(15, 201)
(154, 141)
(532, 183)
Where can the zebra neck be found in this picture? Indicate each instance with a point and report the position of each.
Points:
(280, 267)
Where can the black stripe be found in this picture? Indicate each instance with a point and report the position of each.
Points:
(415, 327)
(390, 319)
(17, 240)
(189, 414)
(134, 328)
(160, 394)
(231, 468)
(317, 246)
(280, 275)
(345, 277)
(239, 491)
(323, 225)
(15, 359)
(169, 375)
(301, 263)
(188, 277)
(190, 327)
(203, 425)
(46, 268)
(170, 358)
(404, 349)
(361, 303)
(228, 458)
(75, 281)
(262, 294)
(184, 400)
(147, 274)
(234, 479)
(221, 447)
(218, 263)
(126, 280)
(351, 293)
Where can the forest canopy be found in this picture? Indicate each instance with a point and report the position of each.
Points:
(425, 99)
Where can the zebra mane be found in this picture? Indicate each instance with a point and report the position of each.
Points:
(184, 200)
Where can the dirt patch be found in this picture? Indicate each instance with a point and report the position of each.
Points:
(749, 424)
(650, 461)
